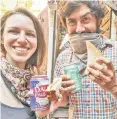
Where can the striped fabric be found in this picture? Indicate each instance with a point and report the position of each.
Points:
(91, 102)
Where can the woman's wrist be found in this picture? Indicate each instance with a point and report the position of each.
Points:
(42, 114)
(114, 90)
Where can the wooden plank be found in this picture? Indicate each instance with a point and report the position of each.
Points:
(106, 18)
(107, 22)
(106, 26)
(107, 9)
(116, 26)
(107, 34)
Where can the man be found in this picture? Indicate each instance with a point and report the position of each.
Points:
(111, 87)
(82, 20)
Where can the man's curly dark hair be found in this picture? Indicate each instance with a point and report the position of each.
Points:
(67, 7)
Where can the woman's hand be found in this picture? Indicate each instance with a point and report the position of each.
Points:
(67, 87)
(103, 73)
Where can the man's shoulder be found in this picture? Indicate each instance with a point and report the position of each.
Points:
(111, 49)
(64, 56)
(115, 44)
(65, 53)
(111, 44)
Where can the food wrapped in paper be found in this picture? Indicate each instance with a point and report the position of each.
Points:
(92, 54)
(53, 90)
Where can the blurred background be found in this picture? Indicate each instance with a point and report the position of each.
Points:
(33, 5)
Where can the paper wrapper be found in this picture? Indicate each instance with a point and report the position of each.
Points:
(93, 53)
(54, 89)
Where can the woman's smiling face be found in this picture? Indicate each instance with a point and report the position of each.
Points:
(19, 39)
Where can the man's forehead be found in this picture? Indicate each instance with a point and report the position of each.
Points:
(80, 12)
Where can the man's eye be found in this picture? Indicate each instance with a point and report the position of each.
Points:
(71, 22)
(86, 20)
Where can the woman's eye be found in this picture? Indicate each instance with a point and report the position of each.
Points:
(30, 34)
(13, 32)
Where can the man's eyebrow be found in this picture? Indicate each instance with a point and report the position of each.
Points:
(81, 16)
(70, 19)
(85, 14)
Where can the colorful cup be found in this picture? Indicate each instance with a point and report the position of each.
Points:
(38, 97)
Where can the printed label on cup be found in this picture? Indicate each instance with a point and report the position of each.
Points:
(38, 97)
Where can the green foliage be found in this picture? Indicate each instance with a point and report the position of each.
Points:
(28, 3)
(3, 7)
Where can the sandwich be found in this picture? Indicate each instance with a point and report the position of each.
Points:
(53, 90)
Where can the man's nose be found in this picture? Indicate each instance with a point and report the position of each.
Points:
(22, 38)
(80, 28)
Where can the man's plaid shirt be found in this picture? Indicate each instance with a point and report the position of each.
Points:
(91, 102)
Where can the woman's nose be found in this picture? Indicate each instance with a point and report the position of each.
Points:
(80, 28)
(22, 38)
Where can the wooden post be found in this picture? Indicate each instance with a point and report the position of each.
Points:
(52, 6)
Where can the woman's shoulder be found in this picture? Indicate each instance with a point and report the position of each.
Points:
(6, 97)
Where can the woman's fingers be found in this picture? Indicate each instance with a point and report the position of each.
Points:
(51, 95)
(66, 88)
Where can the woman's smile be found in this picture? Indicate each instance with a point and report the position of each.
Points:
(20, 49)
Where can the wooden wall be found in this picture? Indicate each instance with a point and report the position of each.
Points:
(106, 23)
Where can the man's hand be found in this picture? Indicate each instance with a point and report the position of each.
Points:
(68, 85)
(103, 73)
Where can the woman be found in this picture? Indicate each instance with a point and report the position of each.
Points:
(22, 44)
(22, 55)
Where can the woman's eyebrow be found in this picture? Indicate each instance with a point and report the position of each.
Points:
(32, 31)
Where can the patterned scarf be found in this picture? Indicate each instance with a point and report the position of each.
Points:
(19, 79)
(78, 41)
